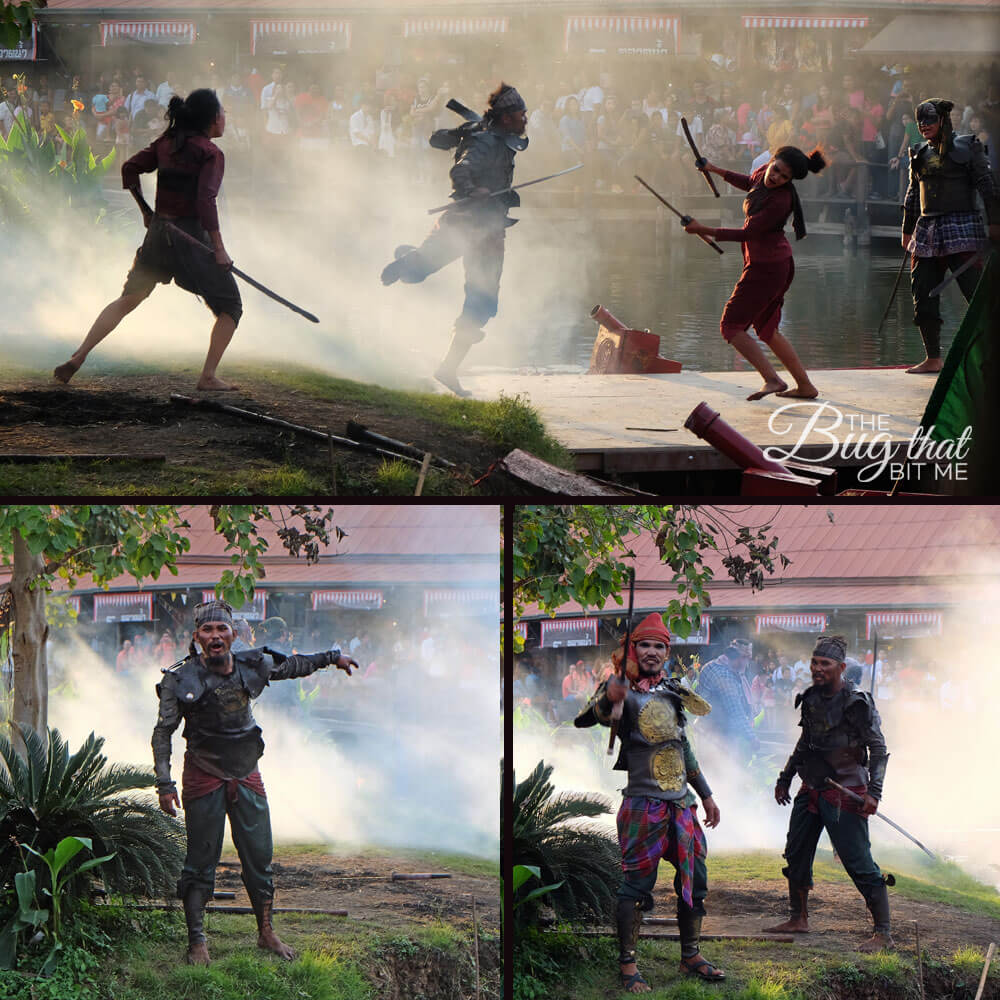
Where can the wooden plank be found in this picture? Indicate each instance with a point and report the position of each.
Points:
(521, 469)
(596, 416)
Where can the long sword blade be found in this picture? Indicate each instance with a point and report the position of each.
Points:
(698, 158)
(971, 262)
(493, 194)
(895, 826)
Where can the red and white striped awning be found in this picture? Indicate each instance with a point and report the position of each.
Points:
(912, 623)
(470, 602)
(521, 629)
(255, 611)
(306, 33)
(26, 50)
(151, 32)
(423, 26)
(792, 623)
(352, 600)
(796, 21)
(639, 24)
(133, 607)
(569, 632)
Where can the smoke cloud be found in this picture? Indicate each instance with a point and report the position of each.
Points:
(408, 760)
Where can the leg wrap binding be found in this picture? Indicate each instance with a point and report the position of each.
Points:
(629, 919)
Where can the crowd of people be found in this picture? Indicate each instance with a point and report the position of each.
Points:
(861, 118)
(770, 681)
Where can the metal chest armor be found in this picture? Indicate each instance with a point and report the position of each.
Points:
(496, 163)
(946, 183)
(836, 746)
(210, 704)
(654, 751)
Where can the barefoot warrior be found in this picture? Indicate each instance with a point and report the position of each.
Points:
(657, 818)
(942, 227)
(768, 268)
(842, 740)
(484, 162)
(189, 170)
(211, 691)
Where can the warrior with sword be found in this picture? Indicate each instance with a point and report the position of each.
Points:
(768, 268)
(658, 817)
(841, 758)
(189, 169)
(942, 225)
(474, 229)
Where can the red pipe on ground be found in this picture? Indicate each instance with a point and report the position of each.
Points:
(606, 320)
(710, 427)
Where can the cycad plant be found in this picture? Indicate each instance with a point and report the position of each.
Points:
(49, 794)
(551, 833)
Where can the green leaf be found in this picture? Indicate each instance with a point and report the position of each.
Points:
(522, 873)
(67, 849)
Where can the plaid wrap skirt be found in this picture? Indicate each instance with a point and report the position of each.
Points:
(941, 235)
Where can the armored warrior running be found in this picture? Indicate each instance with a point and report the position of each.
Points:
(841, 740)
(474, 230)
(658, 817)
(210, 691)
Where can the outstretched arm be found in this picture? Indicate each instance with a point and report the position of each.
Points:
(304, 664)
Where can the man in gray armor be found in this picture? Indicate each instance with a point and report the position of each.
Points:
(474, 231)
(210, 691)
(942, 226)
(657, 818)
(841, 740)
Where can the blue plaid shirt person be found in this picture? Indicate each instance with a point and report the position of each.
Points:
(722, 683)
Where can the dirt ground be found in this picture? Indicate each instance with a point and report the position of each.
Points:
(838, 918)
(364, 887)
(132, 415)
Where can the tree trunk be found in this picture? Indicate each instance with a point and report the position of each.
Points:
(31, 675)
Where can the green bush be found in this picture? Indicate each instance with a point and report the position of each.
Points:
(49, 795)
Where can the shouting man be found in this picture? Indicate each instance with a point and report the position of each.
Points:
(657, 818)
(211, 691)
(841, 740)
(474, 230)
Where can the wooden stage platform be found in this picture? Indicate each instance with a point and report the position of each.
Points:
(635, 423)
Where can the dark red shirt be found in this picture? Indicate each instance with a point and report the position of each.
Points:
(763, 234)
(188, 179)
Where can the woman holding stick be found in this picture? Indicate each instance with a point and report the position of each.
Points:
(189, 173)
(768, 268)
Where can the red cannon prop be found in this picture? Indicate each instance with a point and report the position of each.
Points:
(761, 475)
(621, 351)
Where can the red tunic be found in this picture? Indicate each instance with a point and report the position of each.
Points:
(188, 180)
(763, 233)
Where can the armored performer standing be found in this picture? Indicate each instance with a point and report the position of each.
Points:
(211, 691)
(657, 818)
(474, 230)
(841, 740)
(942, 225)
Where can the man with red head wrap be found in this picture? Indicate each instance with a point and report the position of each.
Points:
(658, 817)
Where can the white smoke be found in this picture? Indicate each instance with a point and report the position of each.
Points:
(421, 770)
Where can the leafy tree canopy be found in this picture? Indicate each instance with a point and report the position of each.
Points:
(584, 553)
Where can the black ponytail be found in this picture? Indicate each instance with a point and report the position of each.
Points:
(800, 164)
(191, 116)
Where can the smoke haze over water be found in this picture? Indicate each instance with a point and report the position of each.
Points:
(421, 771)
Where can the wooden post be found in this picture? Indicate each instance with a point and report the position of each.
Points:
(916, 930)
(424, 466)
(991, 951)
(475, 934)
(333, 464)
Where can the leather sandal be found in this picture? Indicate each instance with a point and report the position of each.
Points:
(703, 970)
(629, 981)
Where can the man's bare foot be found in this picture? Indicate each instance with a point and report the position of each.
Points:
(796, 925)
(877, 942)
(197, 954)
(929, 366)
(773, 385)
(270, 941)
(215, 384)
(66, 370)
(632, 981)
(807, 391)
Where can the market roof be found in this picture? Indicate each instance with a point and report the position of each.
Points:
(937, 35)
(392, 544)
(858, 556)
